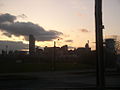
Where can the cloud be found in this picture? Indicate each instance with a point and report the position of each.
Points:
(118, 1)
(25, 29)
(22, 16)
(69, 41)
(84, 30)
(7, 18)
(12, 45)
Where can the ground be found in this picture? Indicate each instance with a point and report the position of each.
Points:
(57, 80)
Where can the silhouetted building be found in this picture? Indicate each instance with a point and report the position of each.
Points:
(110, 45)
(20, 53)
(10, 52)
(110, 53)
(64, 49)
(31, 45)
(4, 53)
(83, 50)
(49, 51)
(39, 52)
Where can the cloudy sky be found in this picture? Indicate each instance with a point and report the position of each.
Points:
(70, 21)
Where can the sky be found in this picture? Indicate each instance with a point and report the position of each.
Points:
(68, 22)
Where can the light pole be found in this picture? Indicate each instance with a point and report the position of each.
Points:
(99, 46)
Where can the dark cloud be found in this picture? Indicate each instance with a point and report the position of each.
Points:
(69, 41)
(7, 18)
(12, 45)
(84, 30)
(118, 1)
(25, 29)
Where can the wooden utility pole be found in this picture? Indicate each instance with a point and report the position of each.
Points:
(99, 45)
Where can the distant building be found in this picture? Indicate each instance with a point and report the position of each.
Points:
(39, 51)
(63, 51)
(110, 53)
(50, 51)
(83, 50)
(110, 45)
(20, 53)
(4, 53)
(31, 45)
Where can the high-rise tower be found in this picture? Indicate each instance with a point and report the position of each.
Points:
(31, 45)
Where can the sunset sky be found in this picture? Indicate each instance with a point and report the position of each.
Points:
(72, 21)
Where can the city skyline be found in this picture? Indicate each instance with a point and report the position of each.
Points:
(73, 19)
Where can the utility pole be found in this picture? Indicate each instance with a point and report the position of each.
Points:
(100, 81)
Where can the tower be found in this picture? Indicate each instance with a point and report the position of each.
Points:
(31, 45)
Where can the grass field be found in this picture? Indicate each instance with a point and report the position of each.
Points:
(29, 67)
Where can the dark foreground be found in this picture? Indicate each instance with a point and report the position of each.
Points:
(58, 80)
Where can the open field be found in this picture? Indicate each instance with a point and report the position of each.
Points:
(29, 67)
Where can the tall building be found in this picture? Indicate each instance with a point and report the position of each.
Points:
(110, 53)
(31, 45)
(110, 45)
